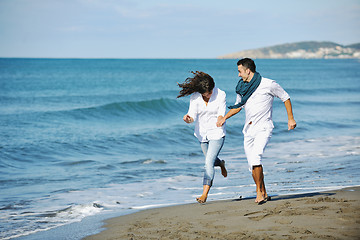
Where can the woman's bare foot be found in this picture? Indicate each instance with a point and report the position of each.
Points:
(201, 199)
(223, 169)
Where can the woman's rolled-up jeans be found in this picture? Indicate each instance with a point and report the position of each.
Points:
(211, 150)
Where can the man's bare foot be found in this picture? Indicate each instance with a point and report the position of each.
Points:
(259, 198)
(201, 199)
(223, 169)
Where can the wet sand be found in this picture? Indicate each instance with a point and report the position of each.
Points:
(322, 215)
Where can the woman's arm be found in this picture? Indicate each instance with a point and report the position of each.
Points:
(188, 119)
(222, 106)
(192, 112)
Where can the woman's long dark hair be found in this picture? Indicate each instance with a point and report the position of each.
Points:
(201, 82)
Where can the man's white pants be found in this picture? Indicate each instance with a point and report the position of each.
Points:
(254, 145)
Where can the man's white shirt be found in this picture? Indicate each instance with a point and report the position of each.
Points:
(258, 108)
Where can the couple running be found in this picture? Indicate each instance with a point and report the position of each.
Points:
(208, 107)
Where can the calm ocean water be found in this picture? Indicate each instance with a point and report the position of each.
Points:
(83, 138)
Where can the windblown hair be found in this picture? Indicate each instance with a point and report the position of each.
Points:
(247, 63)
(201, 82)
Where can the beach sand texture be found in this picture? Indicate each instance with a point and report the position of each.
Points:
(323, 215)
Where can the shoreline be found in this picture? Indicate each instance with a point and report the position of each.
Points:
(320, 215)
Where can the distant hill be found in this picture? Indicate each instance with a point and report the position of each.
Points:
(309, 49)
(356, 46)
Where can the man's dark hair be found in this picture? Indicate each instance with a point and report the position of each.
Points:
(247, 63)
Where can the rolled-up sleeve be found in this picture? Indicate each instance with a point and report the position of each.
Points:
(238, 100)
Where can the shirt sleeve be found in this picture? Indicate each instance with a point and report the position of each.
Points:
(238, 100)
(222, 104)
(192, 108)
(279, 92)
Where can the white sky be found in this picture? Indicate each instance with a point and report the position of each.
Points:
(168, 28)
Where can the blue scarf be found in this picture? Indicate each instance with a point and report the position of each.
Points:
(246, 89)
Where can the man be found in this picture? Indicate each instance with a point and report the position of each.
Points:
(256, 95)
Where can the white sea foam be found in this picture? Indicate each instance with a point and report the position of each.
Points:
(279, 176)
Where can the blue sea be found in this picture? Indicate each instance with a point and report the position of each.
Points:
(85, 139)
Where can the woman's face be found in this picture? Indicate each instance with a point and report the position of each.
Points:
(207, 94)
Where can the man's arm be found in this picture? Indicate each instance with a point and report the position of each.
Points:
(221, 119)
(291, 120)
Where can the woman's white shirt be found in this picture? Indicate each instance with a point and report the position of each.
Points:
(205, 116)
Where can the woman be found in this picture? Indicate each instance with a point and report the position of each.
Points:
(207, 104)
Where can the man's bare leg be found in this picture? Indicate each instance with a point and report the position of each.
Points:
(258, 177)
(203, 197)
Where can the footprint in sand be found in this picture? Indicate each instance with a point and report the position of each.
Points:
(258, 215)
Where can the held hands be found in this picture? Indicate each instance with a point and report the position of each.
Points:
(291, 124)
(221, 120)
(188, 119)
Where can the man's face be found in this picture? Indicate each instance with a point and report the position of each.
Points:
(244, 73)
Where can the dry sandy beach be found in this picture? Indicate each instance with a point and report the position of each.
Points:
(323, 215)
